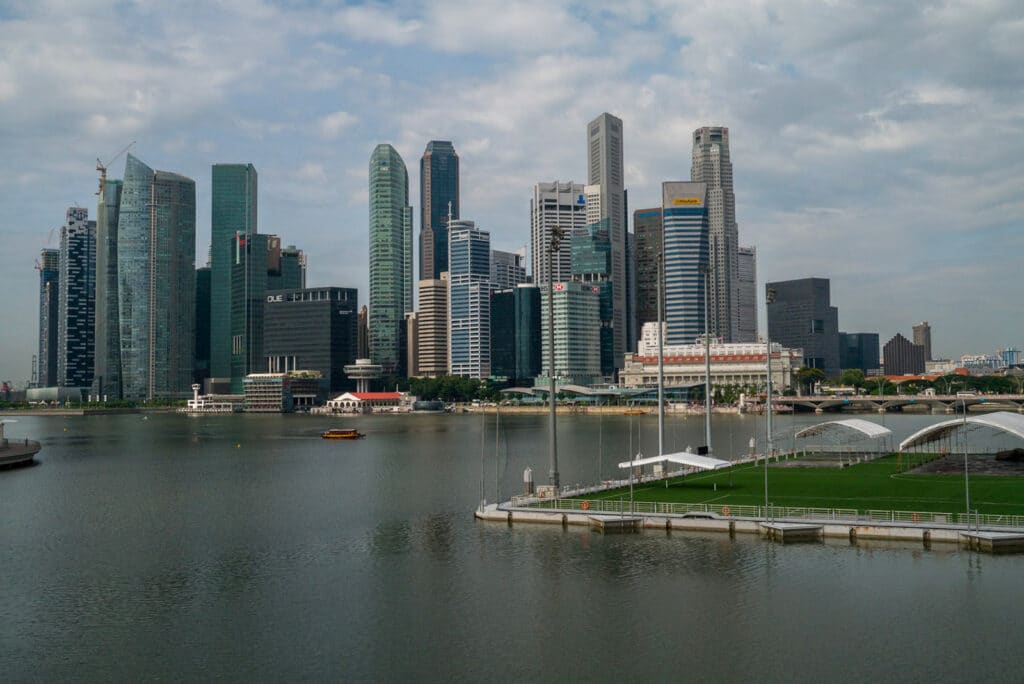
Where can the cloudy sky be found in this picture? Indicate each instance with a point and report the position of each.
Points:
(880, 144)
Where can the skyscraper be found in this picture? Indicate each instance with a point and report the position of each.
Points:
(647, 229)
(390, 255)
(746, 294)
(802, 317)
(554, 204)
(605, 169)
(432, 327)
(507, 269)
(233, 214)
(515, 333)
(858, 350)
(49, 308)
(156, 273)
(577, 333)
(685, 245)
(201, 358)
(107, 381)
(439, 187)
(469, 308)
(923, 338)
(711, 165)
(903, 357)
(591, 264)
(76, 320)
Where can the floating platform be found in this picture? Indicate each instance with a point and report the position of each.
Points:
(612, 524)
(17, 453)
(789, 533)
(994, 542)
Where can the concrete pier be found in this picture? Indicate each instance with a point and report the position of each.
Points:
(994, 542)
(788, 533)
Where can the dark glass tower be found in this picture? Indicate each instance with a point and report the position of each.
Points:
(156, 276)
(76, 320)
(591, 264)
(233, 211)
(201, 364)
(648, 229)
(108, 340)
(802, 317)
(49, 307)
(439, 185)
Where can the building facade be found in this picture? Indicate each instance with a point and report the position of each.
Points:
(802, 317)
(469, 301)
(156, 276)
(390, 256)
(508, 269)
(76, 318)
(923, 338)
(201, 358)
(712, 166)
(577, 330)
(591, 265)
(439, 194)
(107, 371)
(515, 334)
(735, 364)
(432, 327)
(746, 294)
(311, 329)
(685, 236)
(555, 204)
(233, 221)
(903, 357)
(605, 168)
(858, 350)
(647, 227)
(49, 310)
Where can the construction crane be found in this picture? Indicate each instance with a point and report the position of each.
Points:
(102, 168)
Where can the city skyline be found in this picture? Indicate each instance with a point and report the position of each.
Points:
(835, 176)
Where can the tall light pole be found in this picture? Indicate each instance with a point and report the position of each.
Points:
(967, 483)
(556, 238)
(707, 356)
(661, 356)
(768, 299)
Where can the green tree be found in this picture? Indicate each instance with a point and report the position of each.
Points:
(807, 377)
(852, 377)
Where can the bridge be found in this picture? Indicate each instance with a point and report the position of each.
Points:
(939, 403)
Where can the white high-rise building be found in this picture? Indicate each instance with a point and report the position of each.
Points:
(508, 269)
(469, 300)
(605, 168)
(711, 166)
(747, 294)
(554, 204)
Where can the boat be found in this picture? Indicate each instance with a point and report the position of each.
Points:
(17, 452)
(342, 433)
(634, 412)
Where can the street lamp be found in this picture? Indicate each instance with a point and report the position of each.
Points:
(768, 299)
(706, 269)
(556, 239)
(967, 483)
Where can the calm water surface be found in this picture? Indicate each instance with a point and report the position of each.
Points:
(246, 548)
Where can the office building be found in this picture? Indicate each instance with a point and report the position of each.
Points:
(439, 194)
(605, 169)
(107, 371)
(290, 271)
(648, 231)
(49, 310)
(577, 318)
(632, 327)
(923, 338)
(432, 327)
(746, 294)
(412, 337)
(802, 317)
(268, 393)
(311, 329)
(201, 359)
(591, 265)
(390, 256)
(858, 350)
(903, 357)
(233, 216)
(711, 165)
(685, 244)
(732, 364)
(508, 269)
(76, 319)
(554, 204)
(156, 274)
(515, 334)
(469, 301)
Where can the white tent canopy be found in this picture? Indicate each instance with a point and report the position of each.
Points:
(857, 425)
(683, 458)
(1004, 421)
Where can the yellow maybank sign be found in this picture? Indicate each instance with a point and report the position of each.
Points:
(687, 201)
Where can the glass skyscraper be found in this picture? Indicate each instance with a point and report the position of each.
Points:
(233, 213)
(156, 275)
(591, 264)
(49, 308)
(107, 381)
(647, 227)
(390, 255)
(685, 236)
(439, 186)
(469, 309)
(76, 319)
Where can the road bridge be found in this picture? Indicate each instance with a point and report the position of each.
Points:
(939, 403)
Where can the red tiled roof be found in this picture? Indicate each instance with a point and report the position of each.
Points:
(376, 396)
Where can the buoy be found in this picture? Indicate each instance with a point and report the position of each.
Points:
(585, 505)
(238, 446)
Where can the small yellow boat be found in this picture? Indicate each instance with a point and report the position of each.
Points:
(342, 433)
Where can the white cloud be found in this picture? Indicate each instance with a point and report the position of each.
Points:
(332, 125)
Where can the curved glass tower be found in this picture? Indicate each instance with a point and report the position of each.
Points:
(156, 276)
(390, 255)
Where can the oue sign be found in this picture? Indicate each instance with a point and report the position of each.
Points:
(275, 298)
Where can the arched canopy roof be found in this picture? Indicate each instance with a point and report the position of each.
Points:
(1004, 421)
(857, 426)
